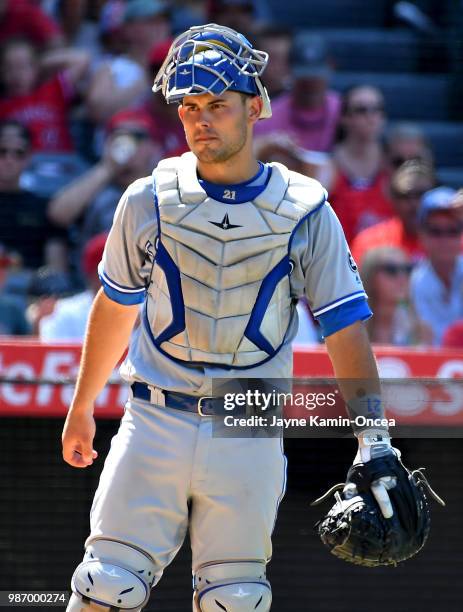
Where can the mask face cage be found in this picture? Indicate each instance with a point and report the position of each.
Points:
(219, 59)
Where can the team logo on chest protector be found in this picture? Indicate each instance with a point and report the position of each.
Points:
(225, 223)
(223, 297)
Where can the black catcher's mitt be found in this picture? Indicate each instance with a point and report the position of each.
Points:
(355, 529)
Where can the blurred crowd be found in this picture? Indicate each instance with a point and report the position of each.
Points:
(79, 123)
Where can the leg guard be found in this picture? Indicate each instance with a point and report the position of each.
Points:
(232, 586)
(113, 576)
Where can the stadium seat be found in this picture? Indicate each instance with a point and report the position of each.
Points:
(452, 177)
(410, 97)
(329, 13)
(446, 140)
(373, 50)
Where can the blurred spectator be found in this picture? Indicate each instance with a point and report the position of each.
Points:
(68, 319)
(276, 41)
(236, 14)
(359, 183)
(12, 317)
(309, 113)
(44, 289)
(405, 142)
(131, 151)
(119, 81)
(77, 19)
(165, 116)
(24, 226)
(408, 184)
(437, 281)
(385, 274)
(147, 23)
(42, 105)
(282, 149)
(21, 18)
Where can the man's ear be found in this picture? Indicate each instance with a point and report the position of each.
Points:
(180, 111)
(255, 108)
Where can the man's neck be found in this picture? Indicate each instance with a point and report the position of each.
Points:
(230, 172)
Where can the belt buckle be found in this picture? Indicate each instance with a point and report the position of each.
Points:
(204, 397)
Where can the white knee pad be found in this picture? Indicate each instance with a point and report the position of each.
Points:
(115, 576)
(234, 586)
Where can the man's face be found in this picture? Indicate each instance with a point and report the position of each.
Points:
(14, 155)
(218, 127)
(441, 235)
(407, 199)
(19, 70)
(404, 149)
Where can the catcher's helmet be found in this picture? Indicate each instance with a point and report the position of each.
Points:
(214, 59)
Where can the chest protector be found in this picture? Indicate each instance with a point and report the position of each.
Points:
(220, 289)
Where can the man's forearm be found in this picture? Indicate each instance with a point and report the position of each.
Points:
(356, 372)
(108, 332)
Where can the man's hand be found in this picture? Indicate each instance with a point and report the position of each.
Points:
(78, 433)
(371, 446)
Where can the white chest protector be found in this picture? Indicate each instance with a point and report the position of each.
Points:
(220, 290)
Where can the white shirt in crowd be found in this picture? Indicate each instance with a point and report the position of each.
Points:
(436, 305)
(68, 321)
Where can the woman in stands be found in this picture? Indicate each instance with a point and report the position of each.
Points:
(385, 273)
(358, 181)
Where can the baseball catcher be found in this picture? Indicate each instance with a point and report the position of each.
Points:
(382, 516)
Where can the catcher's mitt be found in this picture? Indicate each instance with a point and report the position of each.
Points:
(355, 529)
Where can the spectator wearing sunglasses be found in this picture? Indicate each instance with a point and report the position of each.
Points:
(407, 186)
(358, 184)
(405, 141)
(131, 150)
(385, 273)
(24, 226)
(437, 281)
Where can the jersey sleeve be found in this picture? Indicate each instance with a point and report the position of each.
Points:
(128, 254)
(331, 280)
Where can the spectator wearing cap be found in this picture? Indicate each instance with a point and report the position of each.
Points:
(68, 319)
(359, 182)
(437, 281)
(118, 80)
(276, 41)
(19, 19)
(309, 113)
(131, 150)
(147, 22)
(24, 226)
(39, 91)
(407, 186)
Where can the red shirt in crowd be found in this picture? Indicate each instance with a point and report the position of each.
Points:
(387, 233)
(360, 205)
(24, 20)
(44, 112)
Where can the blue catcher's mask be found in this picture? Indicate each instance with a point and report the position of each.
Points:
(212, 59)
